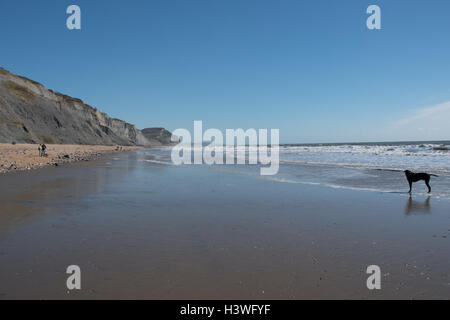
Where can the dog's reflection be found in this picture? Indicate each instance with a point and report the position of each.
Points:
(416, 207)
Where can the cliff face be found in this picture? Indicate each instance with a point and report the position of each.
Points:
(30, 113)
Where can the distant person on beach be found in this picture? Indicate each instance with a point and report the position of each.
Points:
(44, 148)
(40, 150)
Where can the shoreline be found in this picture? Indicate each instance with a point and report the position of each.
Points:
(24, 157)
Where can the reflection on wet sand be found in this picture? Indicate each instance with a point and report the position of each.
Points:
(416, 207)
(27, 195)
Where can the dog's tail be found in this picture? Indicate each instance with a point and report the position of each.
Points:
(434, 175)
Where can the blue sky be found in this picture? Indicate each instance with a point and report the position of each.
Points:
(310, 68)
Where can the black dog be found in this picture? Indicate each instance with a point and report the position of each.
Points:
(414, 177)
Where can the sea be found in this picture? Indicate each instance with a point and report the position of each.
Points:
(373, 167)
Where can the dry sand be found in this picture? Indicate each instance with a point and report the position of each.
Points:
(26, 156)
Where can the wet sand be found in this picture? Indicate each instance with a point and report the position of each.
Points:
(149, 231)
(26, 156)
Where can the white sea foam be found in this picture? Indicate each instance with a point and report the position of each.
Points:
(347, 187)
(167, 163)
(334, 186)
(425, 157)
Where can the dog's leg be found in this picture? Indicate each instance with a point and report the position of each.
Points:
(427, 182)
(410, 186)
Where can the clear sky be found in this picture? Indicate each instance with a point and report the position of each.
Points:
(309, 68)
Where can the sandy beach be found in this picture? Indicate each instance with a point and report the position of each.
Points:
(140, 229)
(26, 156)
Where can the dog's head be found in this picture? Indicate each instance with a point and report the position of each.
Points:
(407, 172)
